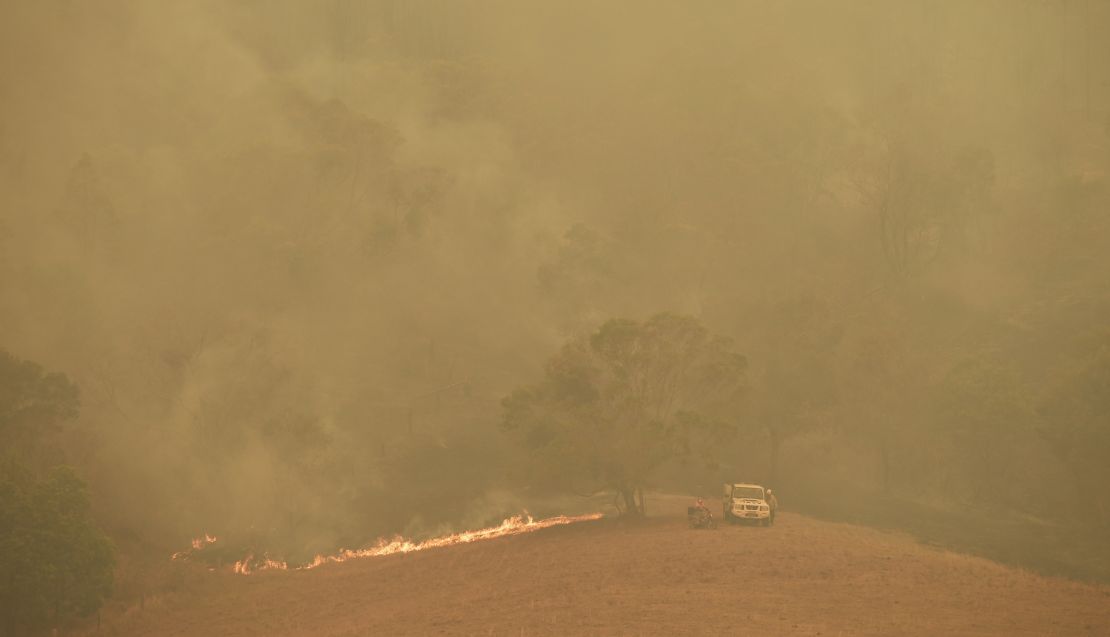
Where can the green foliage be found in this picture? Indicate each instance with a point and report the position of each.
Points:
(33, 405)
(54, 563)
(614, 407)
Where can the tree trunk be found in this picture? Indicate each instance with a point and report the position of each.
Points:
(643, 506)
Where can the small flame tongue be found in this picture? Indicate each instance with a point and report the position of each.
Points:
(515, 525)
(198, 544)
(249, 564)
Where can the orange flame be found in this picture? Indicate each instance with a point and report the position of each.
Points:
(198, 544)
(249, 564)
(515, 525)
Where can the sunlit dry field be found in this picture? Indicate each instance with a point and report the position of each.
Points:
(803, 577)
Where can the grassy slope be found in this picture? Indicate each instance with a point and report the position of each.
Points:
(1027, 542)
(804, 576)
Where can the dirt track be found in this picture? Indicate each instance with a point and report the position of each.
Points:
(656, 578)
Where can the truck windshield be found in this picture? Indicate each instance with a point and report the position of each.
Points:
(747, 492)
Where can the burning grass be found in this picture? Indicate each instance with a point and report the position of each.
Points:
(515, 525)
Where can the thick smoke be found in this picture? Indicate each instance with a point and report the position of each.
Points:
(295, 254)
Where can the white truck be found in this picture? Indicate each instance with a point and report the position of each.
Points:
(746, 502)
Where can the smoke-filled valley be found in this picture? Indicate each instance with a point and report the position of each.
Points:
(304, 275)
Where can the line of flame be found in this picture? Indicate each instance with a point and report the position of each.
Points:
(511, 526)
(515, 525)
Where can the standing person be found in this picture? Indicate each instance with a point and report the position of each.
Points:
(773, 503)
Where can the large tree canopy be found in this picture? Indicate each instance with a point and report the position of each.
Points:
(54, 563)
(615, 406)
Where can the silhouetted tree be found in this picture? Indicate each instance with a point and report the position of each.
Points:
(613, 407)
(33, 405)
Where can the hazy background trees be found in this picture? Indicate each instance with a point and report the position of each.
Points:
(295, 256)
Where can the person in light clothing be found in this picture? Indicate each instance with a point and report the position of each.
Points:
(772, 503)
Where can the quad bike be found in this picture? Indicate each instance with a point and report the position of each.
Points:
(700, 518)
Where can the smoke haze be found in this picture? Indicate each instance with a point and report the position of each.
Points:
(296, 254)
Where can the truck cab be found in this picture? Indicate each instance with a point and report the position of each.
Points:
(743, 501)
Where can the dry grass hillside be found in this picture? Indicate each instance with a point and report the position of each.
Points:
(803, 576)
